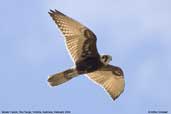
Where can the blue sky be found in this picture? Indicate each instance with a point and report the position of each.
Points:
(137, 33)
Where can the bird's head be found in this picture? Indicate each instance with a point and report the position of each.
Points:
(105, 59)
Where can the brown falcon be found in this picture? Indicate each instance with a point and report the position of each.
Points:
(81, 44)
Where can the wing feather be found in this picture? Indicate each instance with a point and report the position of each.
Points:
(76, 35)
(106, 78)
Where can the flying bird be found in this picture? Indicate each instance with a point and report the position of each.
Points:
(81, 45)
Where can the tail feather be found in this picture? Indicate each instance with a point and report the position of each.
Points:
(62, 77)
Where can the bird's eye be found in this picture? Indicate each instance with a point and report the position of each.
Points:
(104, 57)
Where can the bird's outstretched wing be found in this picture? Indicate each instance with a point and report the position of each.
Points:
(111, 78)
(80, 41)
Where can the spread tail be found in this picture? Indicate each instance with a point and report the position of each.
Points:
(59, 78)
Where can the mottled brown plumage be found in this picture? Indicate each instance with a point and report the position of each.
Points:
(81, 44)
(79, 39)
